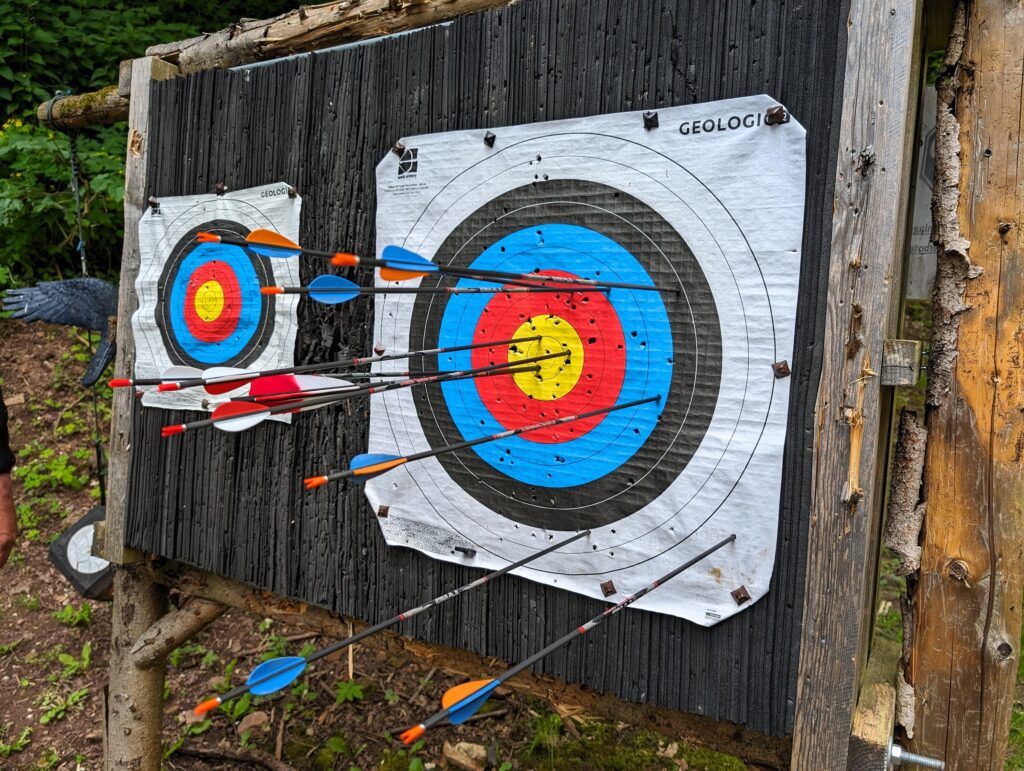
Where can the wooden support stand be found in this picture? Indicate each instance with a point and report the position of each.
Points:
(967, 604)
(868, 229)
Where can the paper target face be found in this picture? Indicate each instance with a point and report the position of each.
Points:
(200, 303)
(602, 199)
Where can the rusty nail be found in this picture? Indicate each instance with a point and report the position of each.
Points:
(741, 595)
(776, 115)
(220, 188)
(466, 550)
(292, 192)
(650, 120)
(382, 510)
(489, 138)
(608, 588)
(781, 369)
(398, 148)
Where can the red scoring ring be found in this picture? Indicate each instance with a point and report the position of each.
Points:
(225, 324)
(594, 319)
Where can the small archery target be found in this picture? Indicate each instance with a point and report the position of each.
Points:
(211, 309)
(200, 304)
(606, 200)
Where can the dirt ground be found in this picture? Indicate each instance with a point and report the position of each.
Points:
(54, 645)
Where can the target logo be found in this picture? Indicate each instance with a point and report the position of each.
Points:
(408, 163)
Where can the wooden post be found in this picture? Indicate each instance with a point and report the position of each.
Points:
(868, 230)
(134, 702)
(967, 603)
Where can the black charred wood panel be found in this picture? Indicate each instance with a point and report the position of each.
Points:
(234, 504)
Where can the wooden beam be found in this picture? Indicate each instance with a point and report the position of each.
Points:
(868, 230)
(305, 29)
(967, 604)
(311, 27)
(144, 71)
(97, 108)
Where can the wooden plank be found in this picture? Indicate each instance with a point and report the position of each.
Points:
(967, 619)
(143, 73)
(868, 229)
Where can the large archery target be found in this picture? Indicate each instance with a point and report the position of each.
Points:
(626, 458)
(200, 303)
(654, 483)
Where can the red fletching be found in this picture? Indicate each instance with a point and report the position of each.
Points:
(237, 410)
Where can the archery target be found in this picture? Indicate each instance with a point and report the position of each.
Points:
(602, 199)
(199, 303)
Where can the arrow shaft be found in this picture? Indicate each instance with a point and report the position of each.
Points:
(406, 615)
(374, 290)
(337, 364)
(581, 630)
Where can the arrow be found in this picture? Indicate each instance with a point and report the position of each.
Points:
(333, 290)
(219, 380)
(398, 263)
(237, 415)
(369, 465)
(462, 701)
(273, 675)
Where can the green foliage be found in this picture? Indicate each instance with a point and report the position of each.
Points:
(44, 466)
(276, 646)
(71, 616)
(1015, 754)
(7, 648)
(346, 691)
(9, 747)
(188, 653)
(38, 234)
(75, 666)
(55, 706)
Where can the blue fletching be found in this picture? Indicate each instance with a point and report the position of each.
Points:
(465, 709)
(397, 257)
(334, 283)
(369, 459)
(293, 666)
(274, 251)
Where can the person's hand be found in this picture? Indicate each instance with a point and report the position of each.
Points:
(8, 518)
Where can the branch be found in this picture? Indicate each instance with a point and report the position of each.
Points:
(157, 642)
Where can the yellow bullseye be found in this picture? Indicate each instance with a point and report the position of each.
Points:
(210, 301)
(557, 377)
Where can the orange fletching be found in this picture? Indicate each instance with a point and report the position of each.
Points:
(378, 468)
(397, 274)
(344, 260)
(270, 238)
(412, 734)
(205, 706)
(454, 695)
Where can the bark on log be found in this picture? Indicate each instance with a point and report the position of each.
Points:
(903, 526)
(98, 108)
(309, 28)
